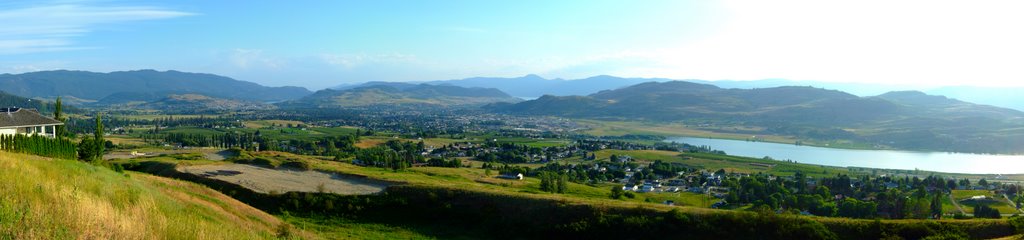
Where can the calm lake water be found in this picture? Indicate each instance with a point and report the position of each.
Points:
(888, 159)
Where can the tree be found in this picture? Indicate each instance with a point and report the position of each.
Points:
(58, 114)
(98, 138)
(936, 206)
(546, 183)
(563, 183)
(86, 149)
(983, 183)
(984, 211)
(617, 192)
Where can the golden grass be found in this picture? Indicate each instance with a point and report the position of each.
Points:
(367, 142)
(42, 198)
(267, 123)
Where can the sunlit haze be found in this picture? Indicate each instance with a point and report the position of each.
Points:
(327, 43)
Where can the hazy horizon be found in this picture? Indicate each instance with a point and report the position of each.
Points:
(918, 43)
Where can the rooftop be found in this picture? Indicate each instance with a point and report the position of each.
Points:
(17, 117)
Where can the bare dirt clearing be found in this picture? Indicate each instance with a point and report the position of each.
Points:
(266, 180)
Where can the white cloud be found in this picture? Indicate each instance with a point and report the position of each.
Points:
(53, 28)
(350, 61)
(255, 59)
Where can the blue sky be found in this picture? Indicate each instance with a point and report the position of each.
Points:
(319, 44)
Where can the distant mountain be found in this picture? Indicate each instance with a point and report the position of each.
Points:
(379, 93)
(1008, 97)
(910, 120)
(201, 103)
(92, 86)
(532, 86)
(46, 107)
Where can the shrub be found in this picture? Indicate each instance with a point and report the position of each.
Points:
(301, 165)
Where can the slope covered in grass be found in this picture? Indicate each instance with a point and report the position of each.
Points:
(61, 199)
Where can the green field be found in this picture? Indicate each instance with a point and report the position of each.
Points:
(996, 201)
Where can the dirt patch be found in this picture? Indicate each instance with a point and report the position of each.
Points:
(219, 155)
(266, 180)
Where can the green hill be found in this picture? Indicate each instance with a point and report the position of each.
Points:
(95, 86)
(187, 103)
(401, 94)
(43, 198)
(907, 120)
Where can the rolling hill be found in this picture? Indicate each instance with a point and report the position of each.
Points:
(45, 198)
(401, 94)
(179, 103)
(532, 86)
(91, 86)
(906, 120)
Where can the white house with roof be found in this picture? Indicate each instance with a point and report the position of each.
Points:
(27, 122)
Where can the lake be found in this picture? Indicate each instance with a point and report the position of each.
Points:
(887, 159)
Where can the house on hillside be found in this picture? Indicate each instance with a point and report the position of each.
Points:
(517, 176)
(27, 122)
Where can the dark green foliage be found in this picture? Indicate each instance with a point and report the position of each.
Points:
(617, 192)
(441, 162)
(984, 211)
(39, 145)
(97, 141)
(396, 155)
(300, 165)
(553, 182)
(58, 114)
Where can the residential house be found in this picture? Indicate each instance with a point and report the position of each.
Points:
(26, 122)
(517, 176)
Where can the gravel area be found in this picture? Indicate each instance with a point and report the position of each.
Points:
(266, 180)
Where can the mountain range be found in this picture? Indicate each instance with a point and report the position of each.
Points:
(86, 87)
(382, 93)
(533, 86)
(904, 119)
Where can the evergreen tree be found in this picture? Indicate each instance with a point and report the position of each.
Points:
(563, 183)
(98, 138)
(58, 114)
(936, 206)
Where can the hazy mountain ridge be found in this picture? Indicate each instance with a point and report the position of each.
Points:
(531, 86)
(380, 93)
(911, 120)
(96, 86)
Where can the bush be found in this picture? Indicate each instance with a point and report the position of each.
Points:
(301, 165)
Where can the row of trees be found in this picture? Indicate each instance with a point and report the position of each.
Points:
(39, 145)
(61, 145)
(396, 155)
(553, 182)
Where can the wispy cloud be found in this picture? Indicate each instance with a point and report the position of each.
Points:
(44, 28)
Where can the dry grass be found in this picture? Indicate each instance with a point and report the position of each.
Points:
(58, 199)
(368, 142)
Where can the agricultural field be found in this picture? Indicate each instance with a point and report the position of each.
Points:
(997, 202)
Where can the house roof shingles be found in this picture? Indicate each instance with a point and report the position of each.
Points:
(24, 117)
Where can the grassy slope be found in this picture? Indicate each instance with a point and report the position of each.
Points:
(46, 198)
